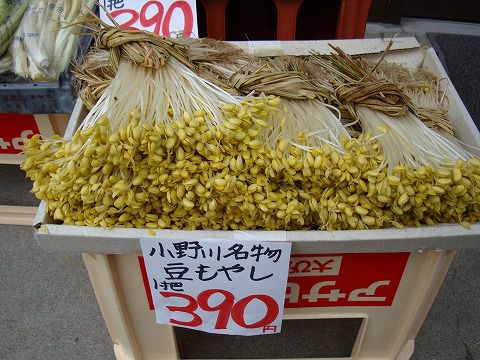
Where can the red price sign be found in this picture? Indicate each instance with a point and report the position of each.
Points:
(14, 129)
(162, 17)
(227, 307)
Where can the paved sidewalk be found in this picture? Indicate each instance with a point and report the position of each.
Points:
(48, 308)
(452, 328)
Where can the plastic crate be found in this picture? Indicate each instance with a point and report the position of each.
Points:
(38, 98)
(413, 261)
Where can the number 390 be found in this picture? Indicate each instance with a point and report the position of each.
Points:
(227, 309)
(157, 19)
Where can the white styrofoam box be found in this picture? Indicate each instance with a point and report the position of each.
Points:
(55, 237)
(303, 47)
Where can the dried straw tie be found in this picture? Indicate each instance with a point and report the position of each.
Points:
(143, 48)
(357, 85)
(384, 96)
(287, 84)
(379, 95)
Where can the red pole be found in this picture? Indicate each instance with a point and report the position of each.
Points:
(352, 19)
(287, 11)
(215, 14)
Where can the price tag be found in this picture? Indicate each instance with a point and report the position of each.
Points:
(218, 286)
(164, 17)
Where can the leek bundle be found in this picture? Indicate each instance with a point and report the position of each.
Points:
(6, 7)
(6, 63)
(10, 16)
(47, 37)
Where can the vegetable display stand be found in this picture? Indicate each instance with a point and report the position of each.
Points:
(17, 127)
(386, 279)
(386, 331)
(37, 98)
(41, 106)
(28, 108)
(13, 129)
(32, 108)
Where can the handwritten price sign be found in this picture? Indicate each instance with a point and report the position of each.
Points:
(164, 17)
(218, 286)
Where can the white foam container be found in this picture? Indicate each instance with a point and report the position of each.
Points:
(55, 237)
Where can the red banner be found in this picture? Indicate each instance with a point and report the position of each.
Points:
(14, 128)
(326, 280)
(344, 279)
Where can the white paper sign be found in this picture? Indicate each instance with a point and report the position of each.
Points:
(218, 286)
(165, 17)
